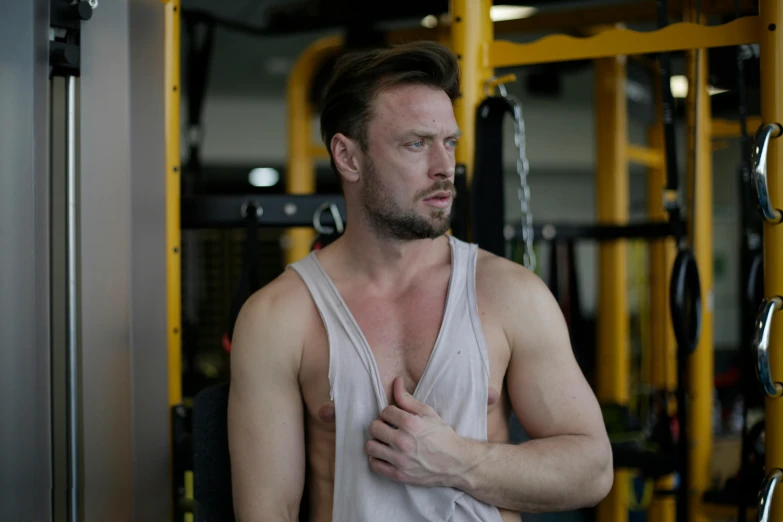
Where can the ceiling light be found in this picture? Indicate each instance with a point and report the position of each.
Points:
(264, 177)
(679, 86)
(499, 13)
(429, 21)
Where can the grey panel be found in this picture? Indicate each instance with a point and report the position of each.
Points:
(25, 473)
(151, 447)
(104, 262)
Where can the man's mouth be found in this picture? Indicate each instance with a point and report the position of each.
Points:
(443, 196)
(439, 200)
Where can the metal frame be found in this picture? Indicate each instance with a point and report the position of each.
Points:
(675, 37)
(287, 210)
(611, 178)
(771, 43)
(300, 171)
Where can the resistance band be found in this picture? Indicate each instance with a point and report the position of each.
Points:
(487, 206)
(250, 278)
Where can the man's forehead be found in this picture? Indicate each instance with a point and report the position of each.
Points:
(416, 106)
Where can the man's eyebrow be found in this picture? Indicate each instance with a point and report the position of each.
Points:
(425, 133)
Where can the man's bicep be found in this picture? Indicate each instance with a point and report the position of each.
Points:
(266, 429)
(548, 391)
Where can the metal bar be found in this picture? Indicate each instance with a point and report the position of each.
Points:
(172, 37)
(173, 235)
(645, 156)
(276, 210)
(612, 206)
(767, 494)
(722, 128)
(675, 37)
(300, 171)
(663, 369)
(318, 151)
(74, 456)
(761, 347)
(643, 11)
(471, 29)
(758, 171)
(771, 44)
(598, 232)
(701, 363)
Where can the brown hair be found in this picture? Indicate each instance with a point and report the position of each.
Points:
(359, 77)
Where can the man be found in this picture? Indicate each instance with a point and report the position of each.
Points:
(375, 378)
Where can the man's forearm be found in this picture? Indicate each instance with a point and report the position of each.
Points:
(543, 475)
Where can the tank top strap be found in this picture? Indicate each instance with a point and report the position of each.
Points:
(472, 301)
(342, 331)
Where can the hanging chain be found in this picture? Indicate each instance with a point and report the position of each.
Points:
(523, 191)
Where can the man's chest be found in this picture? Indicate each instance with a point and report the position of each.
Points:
(401, 337)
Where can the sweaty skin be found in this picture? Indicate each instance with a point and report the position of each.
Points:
(392, 267)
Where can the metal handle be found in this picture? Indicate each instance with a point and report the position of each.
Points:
(72, 315)
(759, 171)
(338, 220)
(761, 346)
(771, 482)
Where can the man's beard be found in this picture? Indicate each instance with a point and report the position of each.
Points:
(392, 222)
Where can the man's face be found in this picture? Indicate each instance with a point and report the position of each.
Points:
(408, 184)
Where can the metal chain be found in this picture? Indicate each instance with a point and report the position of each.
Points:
(523, 191)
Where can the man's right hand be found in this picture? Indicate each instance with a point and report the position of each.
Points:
(265, 412)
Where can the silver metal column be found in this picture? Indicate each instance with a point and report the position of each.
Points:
(72, 308)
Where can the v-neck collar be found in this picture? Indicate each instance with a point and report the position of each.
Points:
(366, 345)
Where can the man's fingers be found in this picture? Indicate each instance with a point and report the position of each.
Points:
(396, 417)
(378, 450)
(382, 467)
(407, 401)
(383, 432)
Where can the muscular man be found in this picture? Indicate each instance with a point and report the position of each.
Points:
(374, 379)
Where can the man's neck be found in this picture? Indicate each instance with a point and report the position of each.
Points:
(388, 263)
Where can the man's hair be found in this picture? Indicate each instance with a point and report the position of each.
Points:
(359, 77)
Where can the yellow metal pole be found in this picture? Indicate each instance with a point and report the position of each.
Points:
(612, 205)
(701, 363)
(173, 260)
(771, 45)
(300, 171)
(172, 177)
(471, 29)
(663, 371)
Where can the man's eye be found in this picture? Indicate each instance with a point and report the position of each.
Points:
(417, 144)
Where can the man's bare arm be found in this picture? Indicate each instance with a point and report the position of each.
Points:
(265, 413)
(567, 464)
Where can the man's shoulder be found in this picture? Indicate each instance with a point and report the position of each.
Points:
(504, 277)
(280, 309)
(518, 297)
(283, 295)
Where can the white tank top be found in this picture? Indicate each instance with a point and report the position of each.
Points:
(455, 383)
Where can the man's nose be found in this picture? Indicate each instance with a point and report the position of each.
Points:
(442, 163)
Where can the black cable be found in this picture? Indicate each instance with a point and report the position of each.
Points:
(696, 98)
(745, 152)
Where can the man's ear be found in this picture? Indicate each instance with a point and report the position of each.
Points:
(346, 157)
